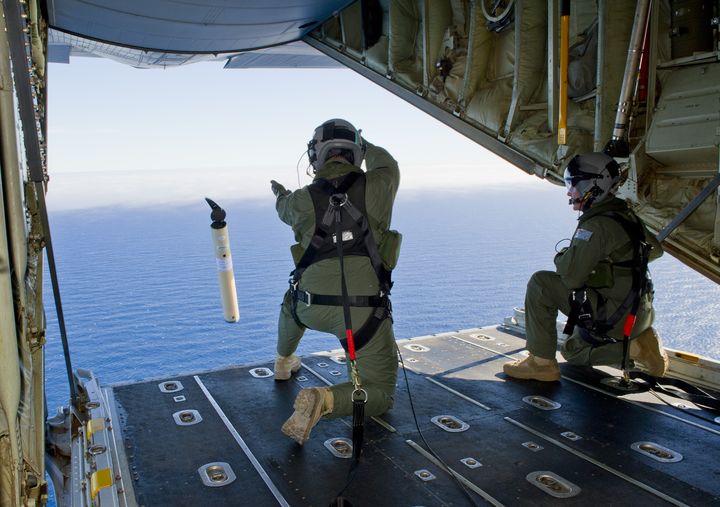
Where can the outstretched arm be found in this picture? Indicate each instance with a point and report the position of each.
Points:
(293, 208)
(383, 166)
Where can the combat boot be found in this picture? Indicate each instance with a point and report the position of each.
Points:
(647, 350)
(533, 368)
(286, 366)
(310, 405)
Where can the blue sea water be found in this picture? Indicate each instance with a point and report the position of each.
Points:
(141, 299)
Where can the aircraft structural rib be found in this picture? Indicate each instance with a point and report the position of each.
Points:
(492, 75)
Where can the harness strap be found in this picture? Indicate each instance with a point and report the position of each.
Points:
(368, 329)
(344, 185)
(327, 300)
(639, 265)
(322, 231)
(594, 330)
(293, 309)
(370, 245)
(343, 287)
(580, 311)
(382, 305)
(358, 427)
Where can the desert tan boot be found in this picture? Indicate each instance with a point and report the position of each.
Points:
(647, 350)
(533, 368)
(310, 405)
(286, 366)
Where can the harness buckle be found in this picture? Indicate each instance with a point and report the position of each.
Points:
(309, 298)
(338, 200)
(293, 281)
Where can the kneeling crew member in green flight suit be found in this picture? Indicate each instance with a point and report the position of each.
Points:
(596, 281)
(369, 253)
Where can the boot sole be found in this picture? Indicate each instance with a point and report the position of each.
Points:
(308, 406)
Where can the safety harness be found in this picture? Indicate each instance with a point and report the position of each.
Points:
(594, 328)
(340, 206)
(341, 229)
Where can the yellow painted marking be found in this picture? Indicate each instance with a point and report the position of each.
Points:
(94, 425)
(563, 98)
(688, 356)
(562, 136)
(99, 480)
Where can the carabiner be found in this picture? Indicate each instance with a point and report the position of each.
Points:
(359, 395)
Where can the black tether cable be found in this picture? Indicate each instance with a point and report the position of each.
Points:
(336, 203)
(684, 411)
(445, 467)
(359, 405)
(19, 59)
(681, 389)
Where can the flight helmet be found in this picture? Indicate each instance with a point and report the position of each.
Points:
(336, 137)
(594, 176)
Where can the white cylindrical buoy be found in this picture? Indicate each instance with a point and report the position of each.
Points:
(223, 258)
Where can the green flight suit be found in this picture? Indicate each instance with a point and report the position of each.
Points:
(598, 242)
(377, 360)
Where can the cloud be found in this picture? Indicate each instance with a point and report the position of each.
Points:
(81, 190)
(141, 188)
(458, 177)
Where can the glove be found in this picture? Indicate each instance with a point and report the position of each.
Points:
(560, 254)
(278, 189)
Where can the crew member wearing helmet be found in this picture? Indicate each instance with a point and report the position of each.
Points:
(600, 275)
(369, 253)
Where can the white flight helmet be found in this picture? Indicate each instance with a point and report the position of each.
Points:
(336, 135)
(594, 176)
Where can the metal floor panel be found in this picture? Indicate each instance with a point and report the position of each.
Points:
(164, 457)
(310, 474)
(452, 374)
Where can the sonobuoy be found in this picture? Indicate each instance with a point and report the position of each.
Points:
(226, 276)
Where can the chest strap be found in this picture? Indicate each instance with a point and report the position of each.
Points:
(324, 228)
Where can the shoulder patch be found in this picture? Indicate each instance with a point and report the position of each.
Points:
(583, 234)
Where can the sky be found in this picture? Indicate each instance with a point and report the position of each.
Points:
(125, 137)
(133, 137)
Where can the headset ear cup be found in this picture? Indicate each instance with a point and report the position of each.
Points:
(312, 155)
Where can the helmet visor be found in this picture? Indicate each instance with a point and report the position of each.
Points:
(574, 175)
(332, 131)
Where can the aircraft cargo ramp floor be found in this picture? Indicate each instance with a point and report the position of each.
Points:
(214, 438)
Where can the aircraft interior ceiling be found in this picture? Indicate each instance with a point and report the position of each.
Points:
(490, 70)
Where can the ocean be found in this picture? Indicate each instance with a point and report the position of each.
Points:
(141, 299)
